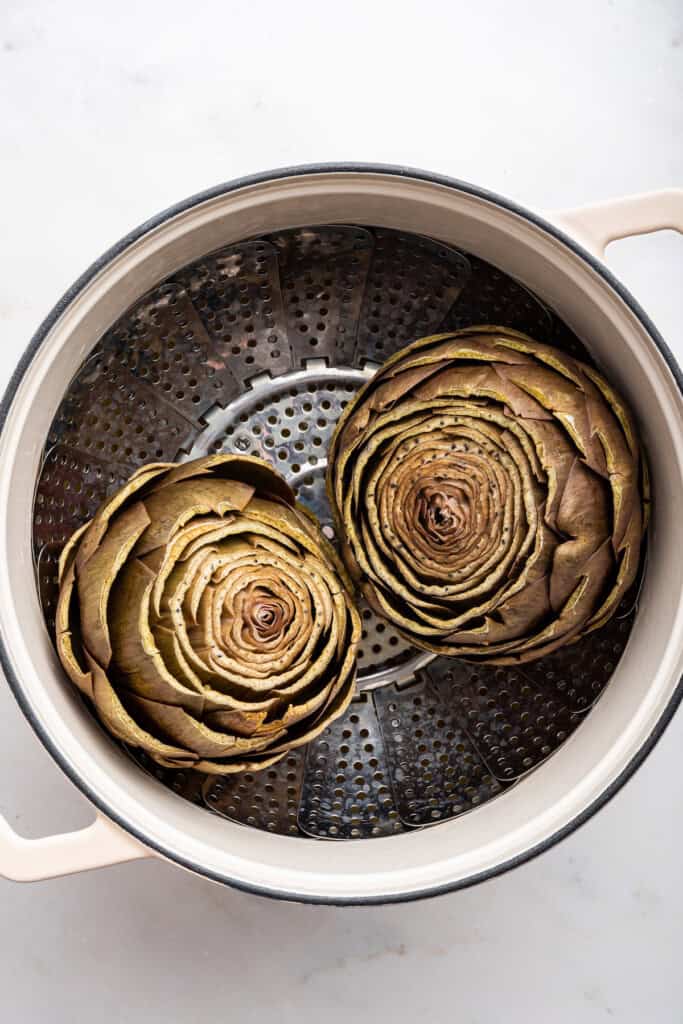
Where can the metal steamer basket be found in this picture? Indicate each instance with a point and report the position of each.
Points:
(243, 321)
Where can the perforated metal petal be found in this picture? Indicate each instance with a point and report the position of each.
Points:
(163, 342)
(236, 293)
(323, 273)
(111, 414)
(436, 770)
(71, 486)
(347, 791)
(268, 800)
(514, 723)
(288, 421)
(578, 673)
(185, 782)
(491, 297)
(518, 716)
(412, 284)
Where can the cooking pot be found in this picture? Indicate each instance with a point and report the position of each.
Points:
(558, 258)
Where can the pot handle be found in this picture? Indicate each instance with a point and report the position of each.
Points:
(598, 224)
(96, 846)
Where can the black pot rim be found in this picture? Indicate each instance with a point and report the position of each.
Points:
(78, 286)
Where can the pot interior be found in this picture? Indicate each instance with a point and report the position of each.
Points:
(403, 686)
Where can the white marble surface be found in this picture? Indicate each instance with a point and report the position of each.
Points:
(105, 120)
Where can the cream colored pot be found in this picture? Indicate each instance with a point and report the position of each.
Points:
(559, 258)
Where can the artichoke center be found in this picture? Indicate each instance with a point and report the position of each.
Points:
(443, 512)
(265, 614)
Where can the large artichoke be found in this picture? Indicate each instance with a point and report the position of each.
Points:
(206, 617)
(490, 493)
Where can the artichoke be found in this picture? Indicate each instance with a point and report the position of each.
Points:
(490, 493)
(206, 618)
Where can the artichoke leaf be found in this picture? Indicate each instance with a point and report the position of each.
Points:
(171, 507)
(119, 722)
(186, 730)
(96, 578)
(135, 651)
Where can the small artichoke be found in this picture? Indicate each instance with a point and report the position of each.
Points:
(491, 495)
(206, 618)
